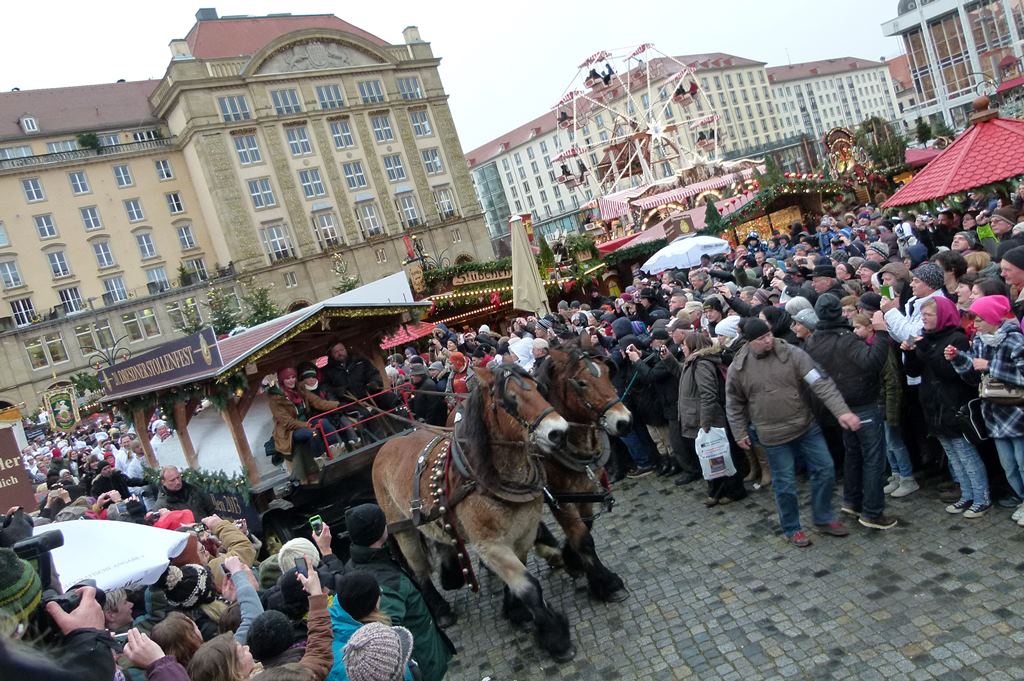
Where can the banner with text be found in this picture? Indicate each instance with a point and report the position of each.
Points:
(178, 360)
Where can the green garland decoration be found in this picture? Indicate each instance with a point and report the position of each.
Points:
(1007, 187)
(583, 244)
(441, 275)
(764, 198)
(208, 481)
(628, 253)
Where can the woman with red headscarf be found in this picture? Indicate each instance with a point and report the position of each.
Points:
(293, 434)
(942, 394)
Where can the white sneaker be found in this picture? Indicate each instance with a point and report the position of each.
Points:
(1021, 522)
(906, 487)
(894, 483)
(1018, 514)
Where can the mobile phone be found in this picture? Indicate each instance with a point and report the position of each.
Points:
(300, 567)
(886, 291)
(224, 570)
(316, 523)
(122, 507)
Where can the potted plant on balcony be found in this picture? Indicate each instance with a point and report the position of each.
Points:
(186, 277)
(581, 247)
(89, 140)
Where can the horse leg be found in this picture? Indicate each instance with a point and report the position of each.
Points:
(415, 551)
(552, 628)
(581, 554)
(546, 546)
(452, 577)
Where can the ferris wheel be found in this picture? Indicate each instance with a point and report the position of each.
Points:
(633, 116)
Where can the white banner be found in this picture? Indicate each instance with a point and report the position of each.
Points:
(115, 554)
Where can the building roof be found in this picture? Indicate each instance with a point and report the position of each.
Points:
(243, 36)
(545, 123)
(822, 67)
(108, 106)
(899, 71)
(987, 152)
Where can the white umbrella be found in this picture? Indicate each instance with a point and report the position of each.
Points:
(685, 252)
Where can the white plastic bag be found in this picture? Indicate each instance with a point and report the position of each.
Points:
(714, 455)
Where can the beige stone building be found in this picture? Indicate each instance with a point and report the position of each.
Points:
(271, 148)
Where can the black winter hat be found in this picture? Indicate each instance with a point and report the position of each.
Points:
(753, 328)
(270, 634)
(358, 593)
(365, 523)
(824, 270)
(870, 301)
(828, 308)
(660, 334)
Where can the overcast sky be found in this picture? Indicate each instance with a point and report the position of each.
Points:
(502, 64)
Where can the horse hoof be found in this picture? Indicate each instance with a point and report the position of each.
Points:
(617, 596)
(446, 620)
(565, 655)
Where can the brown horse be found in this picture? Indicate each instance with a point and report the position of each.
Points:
(577, 383)
(484, 489)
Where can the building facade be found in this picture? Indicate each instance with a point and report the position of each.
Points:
(273, 148)
(815, 97)
(956, 50)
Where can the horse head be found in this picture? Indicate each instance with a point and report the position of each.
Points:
(579, 384)
(513, 392)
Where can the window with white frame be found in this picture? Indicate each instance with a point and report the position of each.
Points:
(71, 299)
(36, 354)
(79, 183)
(248, 149)
(110, 139)
(146, 135)
(354, 174)
(174, 204)
(114, 290)
(289, 280)
(382, 256)
(133, 327)
(421, 125)
(444, 199)
(59, 266)
(393, 166)
(104, 256)
(262, 193)
(133, 207)
(61, 146)
(55, 350)
(23, 310)
(198, 267)
(456, 235)
(298, 141)
(330, 96)
(326, 227)
(10, 275)
(156, 279)
(371, 92)
(123, 175)
(407, 209)
(285, 101)
(276, 242)
(409, 88)
(163, 170)
(33, 189)
(342, 135)
(147, 249)
(183, 313)
(432, 161)
(366, 218)
(45, 227)
(234, 108)
(186, 239)
(382, 131)
(312, 185)
(19, 151)
(28, 124)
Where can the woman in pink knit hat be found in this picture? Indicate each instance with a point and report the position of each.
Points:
(998, 350)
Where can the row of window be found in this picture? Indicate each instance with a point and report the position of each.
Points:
(46, 227)
(33, 186)
(59, 146)
(329, 96)
(50, 348)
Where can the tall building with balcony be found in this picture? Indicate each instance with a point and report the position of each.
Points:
(271, 148)
(816, 96)
(956, 49)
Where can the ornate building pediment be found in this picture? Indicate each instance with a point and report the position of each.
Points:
(315, 55)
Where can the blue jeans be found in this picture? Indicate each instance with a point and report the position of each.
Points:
(864, 464)
(306, 436)
(638, 448)
(811, 448)
(896, 452)
(968, 468)
(1011, 456)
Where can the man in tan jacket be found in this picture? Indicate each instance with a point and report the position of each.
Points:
(767, 388)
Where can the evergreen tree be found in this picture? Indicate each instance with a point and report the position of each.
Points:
(772, 173)
(261, 307)
(224, 313)
(546, 257)
(884, 145)
(923, 131)
(712, 218)
(940, 129)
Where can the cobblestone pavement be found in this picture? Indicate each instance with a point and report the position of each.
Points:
(719, 594)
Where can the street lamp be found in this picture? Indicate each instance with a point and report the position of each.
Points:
(426, 260)
(109, 356)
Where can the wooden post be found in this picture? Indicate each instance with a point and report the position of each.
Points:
(142, 431)
(181, 426)
(233, 417)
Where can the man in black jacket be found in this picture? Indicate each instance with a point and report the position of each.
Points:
(348, 377)
(178, 495)
(110, 479)
(856, 369)
(427, 402)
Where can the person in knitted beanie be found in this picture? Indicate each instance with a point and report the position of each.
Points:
(20, 591)
(188, 586)
(377, 652)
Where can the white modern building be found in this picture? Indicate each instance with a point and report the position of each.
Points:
(816, 96)
(957, 49)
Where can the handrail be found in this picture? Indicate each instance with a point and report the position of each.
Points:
(82, 154)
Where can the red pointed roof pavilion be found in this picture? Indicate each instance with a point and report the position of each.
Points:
(989, 151)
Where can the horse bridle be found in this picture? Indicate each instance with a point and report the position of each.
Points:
(584, 361)
(510, 407)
